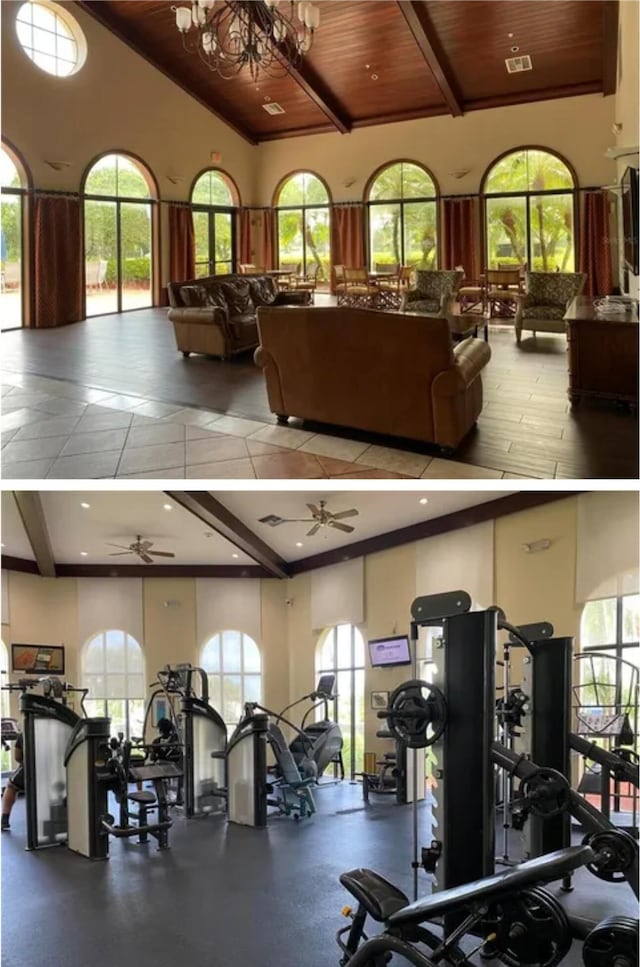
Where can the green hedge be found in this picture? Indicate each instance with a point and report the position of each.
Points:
(133, 270)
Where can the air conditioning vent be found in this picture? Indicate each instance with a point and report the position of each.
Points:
(271, 519)
(517, 64)
(273, 108)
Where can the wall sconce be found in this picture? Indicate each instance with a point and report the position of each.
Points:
(348, 182)
(176, 179)
(58, 165)
(460, 173)
(534, 546)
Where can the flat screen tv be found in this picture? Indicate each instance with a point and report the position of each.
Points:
(37, 659)
(629, 185)
(387, 652)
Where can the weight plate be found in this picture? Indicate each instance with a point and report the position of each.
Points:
(615, 854)
(417, 714)
(612, 943)
(531, 929)
(547, 792)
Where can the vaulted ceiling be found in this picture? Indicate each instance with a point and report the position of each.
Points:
(222, 534)
(377, 62)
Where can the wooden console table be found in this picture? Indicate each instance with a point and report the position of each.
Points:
(603, 353)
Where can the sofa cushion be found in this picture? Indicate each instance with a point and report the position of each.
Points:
(543, 312)
(238, 297)
(263, 290)
(423, 305)
(193, 295)
(214, 296)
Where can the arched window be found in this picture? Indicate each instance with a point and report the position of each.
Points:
(234, 668)
(213, 200)
(611, 626)
(341, 652)
(5, 754)
(302, 201)
(118, 235)
(529, 211)
(403, 218)
(112, 668)
(13, 182)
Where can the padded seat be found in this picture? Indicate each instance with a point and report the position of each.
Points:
(378, 896)
(543, 869)
(143, 797)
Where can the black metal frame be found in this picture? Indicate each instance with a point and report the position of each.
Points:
(211, 262)
(402, 202)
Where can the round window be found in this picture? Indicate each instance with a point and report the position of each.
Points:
(51, 37)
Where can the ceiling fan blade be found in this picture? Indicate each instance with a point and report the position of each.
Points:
(161, 554)
(341, 527)
(345, 513)
(118, 553)
(145, 545)
(314, 510)
(314, 530)
(125, 547)
(146, 558)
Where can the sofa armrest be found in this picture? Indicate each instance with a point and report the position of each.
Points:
(470, 358)
(292, 298)
(265, 361)
(199, 315)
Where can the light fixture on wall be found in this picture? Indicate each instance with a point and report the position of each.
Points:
(258, 35)
(58, 165)
(533, 547)
(176, 179)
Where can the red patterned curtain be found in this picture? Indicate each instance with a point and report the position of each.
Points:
(594, 244)
(182, 245)
(243, 236)
(269, 239)
(57, 261)
(347, 237)
(461, 226)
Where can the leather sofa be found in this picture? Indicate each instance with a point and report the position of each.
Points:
(384, 372)
(216, 315)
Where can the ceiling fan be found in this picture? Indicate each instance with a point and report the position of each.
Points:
(319, 516)
(141, 548)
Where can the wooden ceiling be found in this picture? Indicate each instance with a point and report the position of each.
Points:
(427, 58)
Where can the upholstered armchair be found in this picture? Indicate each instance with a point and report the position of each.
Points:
(542, 307)
(434, 294)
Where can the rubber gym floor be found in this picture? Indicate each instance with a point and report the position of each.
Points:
(222, 896)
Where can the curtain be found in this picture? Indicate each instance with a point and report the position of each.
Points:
(347, 237)
(182, 245)
(224, 604)
(461, 225)
(269, 239)
(243, 236)
(337, 594)
(607, 558)
(58, 261)
(439, 568)
(594, 245)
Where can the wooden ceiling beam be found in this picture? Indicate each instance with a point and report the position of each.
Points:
(419, 22)
(216, 516)
(32, 515)
(315, 89)
(610, 14)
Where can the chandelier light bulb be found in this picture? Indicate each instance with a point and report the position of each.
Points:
(183, 18)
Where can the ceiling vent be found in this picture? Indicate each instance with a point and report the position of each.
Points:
(517, 64)
(273, 108)
(271, 519)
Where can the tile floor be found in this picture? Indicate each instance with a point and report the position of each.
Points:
(58, 430)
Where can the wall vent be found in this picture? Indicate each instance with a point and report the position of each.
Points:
(517, 64)
(272, 108)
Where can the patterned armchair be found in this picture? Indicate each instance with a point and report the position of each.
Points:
(434, 294)
(543, 306)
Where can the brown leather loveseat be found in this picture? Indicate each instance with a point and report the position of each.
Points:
(384, 372)
(217, 315)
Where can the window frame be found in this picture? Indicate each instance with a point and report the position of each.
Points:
(616, 648)
(212, 211)
(22, 193)
(430, 199)
(118, 200)
(527, 195)
(242, 674)
(105, 673)
(76, 32)
(303, 208)
(352, 669)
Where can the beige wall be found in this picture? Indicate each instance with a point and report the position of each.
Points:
(578, 128)
(529, 587)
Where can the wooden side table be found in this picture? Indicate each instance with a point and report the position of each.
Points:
(603, 353)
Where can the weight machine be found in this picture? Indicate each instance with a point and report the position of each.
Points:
(202, 733)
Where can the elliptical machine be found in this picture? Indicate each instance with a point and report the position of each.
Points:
(318, 743)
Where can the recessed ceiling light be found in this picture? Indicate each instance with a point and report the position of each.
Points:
(83, 553)
(167, 507)
(235, 555)
(85, 505)
(423, 500)
(299, 544)
(374, 77)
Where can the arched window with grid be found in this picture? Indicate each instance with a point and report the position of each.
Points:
(403, 216)
(112, 668)
(233, 664)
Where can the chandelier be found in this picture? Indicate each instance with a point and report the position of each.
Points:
(256, 34)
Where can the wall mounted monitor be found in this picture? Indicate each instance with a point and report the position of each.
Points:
(387, 652)
(37, 659)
